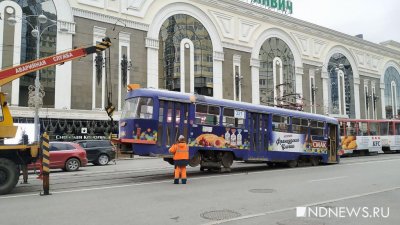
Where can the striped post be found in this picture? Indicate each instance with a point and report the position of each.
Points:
(45, 164)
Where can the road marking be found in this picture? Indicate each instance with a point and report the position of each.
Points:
(307, 205)
(195, 178)
(325, 179)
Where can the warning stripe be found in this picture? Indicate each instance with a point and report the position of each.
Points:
(46, 153)
(103, 46)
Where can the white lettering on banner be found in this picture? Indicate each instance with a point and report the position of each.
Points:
(62, 57)
(287, 142)
(80, 137)
(319, 144)
(30, 66)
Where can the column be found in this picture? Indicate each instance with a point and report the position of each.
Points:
(255, 80)
(357, 97)
(217, 79)
(382, 99)
(123, 48)
(98, 34)
(325, 91)
(237, 94)
(152, 46)
(299, 83)
(63, 72)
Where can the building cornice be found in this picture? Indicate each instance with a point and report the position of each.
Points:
(249, 10)
(237, 47)
(109, 19)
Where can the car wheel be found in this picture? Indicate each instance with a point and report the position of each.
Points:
(72, 164)
(103, 160)
(9, 175)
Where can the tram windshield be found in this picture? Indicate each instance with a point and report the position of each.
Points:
(138, 108)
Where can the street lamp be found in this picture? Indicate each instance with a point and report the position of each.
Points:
(37, 33)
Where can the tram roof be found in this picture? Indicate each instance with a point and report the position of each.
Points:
(185, 97)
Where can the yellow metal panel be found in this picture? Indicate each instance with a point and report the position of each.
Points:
(8, 131)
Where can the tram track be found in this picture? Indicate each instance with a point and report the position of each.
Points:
(66, 181)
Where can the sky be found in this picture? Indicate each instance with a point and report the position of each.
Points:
(377, 20)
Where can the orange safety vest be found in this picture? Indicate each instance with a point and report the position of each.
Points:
(180, 151)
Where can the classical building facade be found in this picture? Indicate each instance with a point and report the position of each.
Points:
(231, 49)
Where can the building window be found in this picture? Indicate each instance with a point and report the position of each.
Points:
(366, 102)
(313, 90)
(277, 70)
(175, 29)
(341, 86)
(392, 92)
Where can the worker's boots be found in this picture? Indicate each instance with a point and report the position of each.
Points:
(176, 181)
(183, 181)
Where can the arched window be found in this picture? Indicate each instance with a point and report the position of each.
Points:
(277, 69)
(341, 86)
(186, 56)
(392, 92)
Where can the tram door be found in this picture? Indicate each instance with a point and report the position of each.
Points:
(332, 143)
(172, 122)
(258, 134)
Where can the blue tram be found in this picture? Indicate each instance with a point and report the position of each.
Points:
(221, 131)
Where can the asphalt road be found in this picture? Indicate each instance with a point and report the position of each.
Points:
(140, 191)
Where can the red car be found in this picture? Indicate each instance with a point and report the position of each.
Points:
(65, 155)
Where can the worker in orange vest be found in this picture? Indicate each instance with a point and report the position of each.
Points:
(180, 150)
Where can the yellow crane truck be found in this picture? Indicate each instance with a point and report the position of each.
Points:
(15, 157)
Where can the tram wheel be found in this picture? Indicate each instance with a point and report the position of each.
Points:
(292, 163)
(271, 164)
(314, 161)
(227, 159)
(195, 161)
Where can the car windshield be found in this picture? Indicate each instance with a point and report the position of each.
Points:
(139, 107)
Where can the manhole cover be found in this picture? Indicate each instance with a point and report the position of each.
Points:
(220, 214)
(262, 190)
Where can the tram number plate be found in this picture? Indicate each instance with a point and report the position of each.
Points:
(239, 114)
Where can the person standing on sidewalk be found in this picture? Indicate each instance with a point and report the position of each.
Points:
(180, 150)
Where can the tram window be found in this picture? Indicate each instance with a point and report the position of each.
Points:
(362, 129)
(299, 126)
(342, 128)
(208, 115)
(161, 112)
(391, 132)
(296, 122)
(397, 127)
(373, 129)
(280, 123)
(230, 120)
(351, 129)
(384, 128)
(139, 107)
(316, 128)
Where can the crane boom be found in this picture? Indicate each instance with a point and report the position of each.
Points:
(16, 72)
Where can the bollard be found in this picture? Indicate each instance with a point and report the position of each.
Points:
(45, 164)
